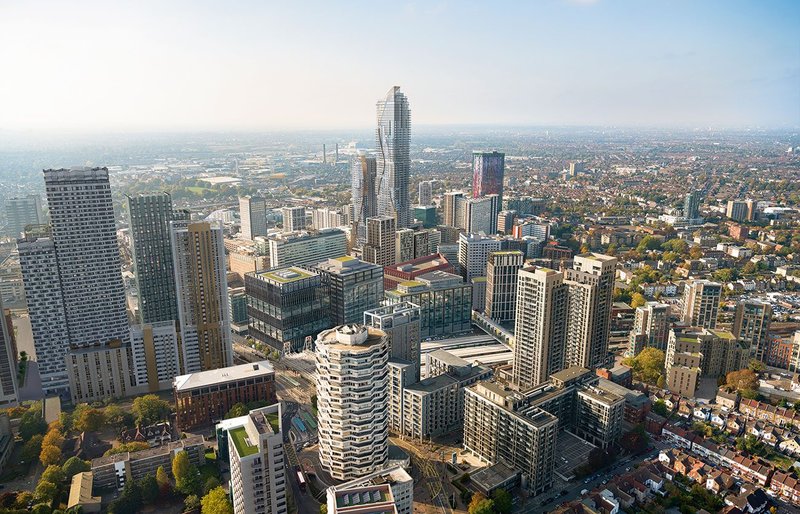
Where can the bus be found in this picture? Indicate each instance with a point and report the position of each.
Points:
(301, 482)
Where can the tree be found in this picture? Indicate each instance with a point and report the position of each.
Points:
(164, 484)
(50, 455)
(695, 252)
(185, 473)
(129, 502)
(475, 500)
(45, 491)
(637, 300)
(42, 508)
(745, 381)
(53, 438)
(756, 365)
(53, 474)
(660, 408)
(648, 243)
(191, 503)
(149, 488)
(150, 409)
(636, 440)
(73, 466)
(485, 506)
(660, 383)
(676, 245)
(116, 416)
(89, 420)
(502, 501)
(647, 366)
(216, 502)
(211, 484)
(32, 423)
(133, 446)
(238, 410)
(32, 448)
(23, 499)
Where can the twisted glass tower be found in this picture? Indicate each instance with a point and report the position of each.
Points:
(392, 138)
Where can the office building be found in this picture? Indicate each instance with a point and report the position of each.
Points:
(696, 352)
(294, 219)
(701, 299)
(392, 139)
(445, 302)
(150, 217)
(591, 285)
(253, 216)
(256, 458)
(388, 491)
(751, 325)
(480, 215)
(202, 291)
(352, 286)
(650, 328)
(487, 175)
(37, 256)
(381, 244)
(21, 212)
(473, 254)
(155, 354)
(303, 248)
(540, 326)
(426, 214)
(8, 362)
(453, 206)
(425, 196)
(691, 205)
(365, 201)
(286, 306)
(244, 259)
(501, 427)
(353, 428)
(409, 270)
(100, 373)
(737, 210)
(501, 284)
(401, 324)
(85, 239)
(205, 397)
(114, 471)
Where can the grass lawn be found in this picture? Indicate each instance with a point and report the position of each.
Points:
(198, 190)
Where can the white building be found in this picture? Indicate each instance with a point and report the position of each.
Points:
(304, 248)
(154, 349)
(294, 219)
(253, 216)
(473, 254)
(255, 453)
(352, 391)
(349, 498)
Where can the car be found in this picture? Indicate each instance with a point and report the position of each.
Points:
(587, 480)
(628, 468)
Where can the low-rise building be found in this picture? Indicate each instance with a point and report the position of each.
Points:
(340, 498)
(80, 493)
(205, 397)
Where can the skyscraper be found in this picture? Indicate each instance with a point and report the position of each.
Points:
(381, 243)
(591, 284)
(487, 175)
(353, 286)
(253, 215)
(21, 212)
(540, 326)
(453, 206)
(392, 139)
(425, 192)
(701, 300)
(8, 364)
(152, 255)
(202, 294)
(473, 254)
(365, 202)
(737, 210)
(691, 205)
(501, 284)
(353, 421)
(85, 239)
(650, 328)
(480, 214)
(294, 218)
(751, 325)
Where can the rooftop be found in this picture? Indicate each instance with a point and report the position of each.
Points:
(242, 442)
(284, 275)
(222, 375)
(80, 492)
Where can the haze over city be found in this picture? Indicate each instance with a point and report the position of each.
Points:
(203, 66)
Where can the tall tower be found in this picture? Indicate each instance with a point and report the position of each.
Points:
(650, 328)
(365, 203)
(453, 206)
(253, 215)
(691, 205)
(487, 174)
(591, 284)
(380, 246)
(501, 284)
(701, 300)
(21, 212)
(392, 138)
(152, 255)
(294, 218)
(8, 363)
(85, 239)
(751, 324)
(400, 321)
(202, 293)
(353, 420)
(425, 189)
(540, 326)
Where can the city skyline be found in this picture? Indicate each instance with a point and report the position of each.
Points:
(637, 72)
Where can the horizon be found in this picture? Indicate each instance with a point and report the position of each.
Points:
(205, 67)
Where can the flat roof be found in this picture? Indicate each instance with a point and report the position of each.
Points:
(448, 358)
(492, 477)
(285, 275)
(222, 375)
(432, 384)
(573, 372)
(242, 442)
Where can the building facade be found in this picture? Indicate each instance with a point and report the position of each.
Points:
(445, 302)
(473, 254)
(303, 248)
(294, 219)
(501, 284)
(353, 286)
(401, 324)
(155, 354)
(650, 328)
(751, 325)
(365, 202)
(8, 363)
(701, 299)
(381, 245)
(392, 139)
(21, 212)
(487, 174)
(253, 216)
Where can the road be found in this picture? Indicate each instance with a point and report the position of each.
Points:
(432, 476)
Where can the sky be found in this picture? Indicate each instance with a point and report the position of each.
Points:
(262, 65)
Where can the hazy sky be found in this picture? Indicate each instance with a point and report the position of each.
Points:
(175, 65)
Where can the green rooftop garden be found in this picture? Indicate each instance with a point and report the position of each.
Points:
(274, 422)
(242, 443)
